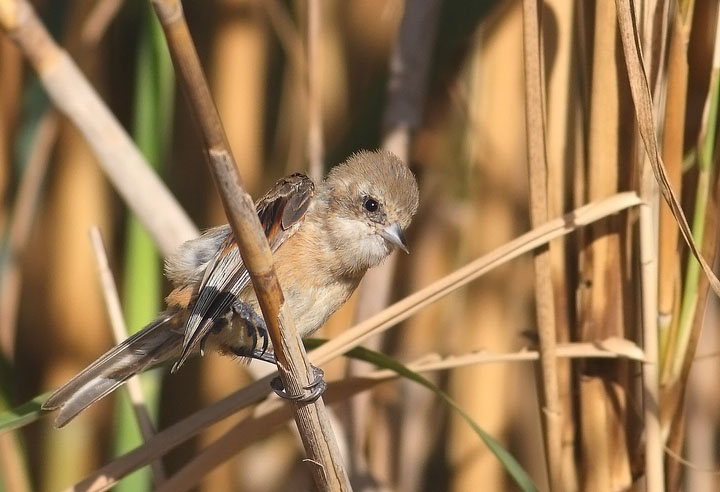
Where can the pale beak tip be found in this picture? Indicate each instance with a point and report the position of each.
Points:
(394, 234)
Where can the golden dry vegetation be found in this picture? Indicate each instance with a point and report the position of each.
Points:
(550, 291)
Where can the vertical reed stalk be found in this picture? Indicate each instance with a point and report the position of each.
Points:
(535, 127)
(605, 458)
(673, 149)
(315, 145)
(654, 473)
(706, 163)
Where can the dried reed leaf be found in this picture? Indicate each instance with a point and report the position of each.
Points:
(538, 236)
(622, 347)
(269, 417)
(261, 422)
(167, 439)
(611, 348)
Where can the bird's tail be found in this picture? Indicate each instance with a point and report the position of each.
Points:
(158, 342)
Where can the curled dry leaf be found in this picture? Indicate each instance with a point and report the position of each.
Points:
(622, 347)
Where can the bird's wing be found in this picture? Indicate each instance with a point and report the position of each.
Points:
(281, 212)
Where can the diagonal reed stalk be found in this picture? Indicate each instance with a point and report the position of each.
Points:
(294, 368)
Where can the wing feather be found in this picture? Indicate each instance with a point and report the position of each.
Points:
(281, 212)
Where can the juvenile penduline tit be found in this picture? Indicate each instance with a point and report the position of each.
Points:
(323, 241)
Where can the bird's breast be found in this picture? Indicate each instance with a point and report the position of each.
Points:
(311, 307)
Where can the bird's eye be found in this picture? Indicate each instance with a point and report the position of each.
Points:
(370, 204)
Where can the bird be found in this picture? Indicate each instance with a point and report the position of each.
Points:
(323, 239)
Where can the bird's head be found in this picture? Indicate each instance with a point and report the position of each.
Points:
(371, 199)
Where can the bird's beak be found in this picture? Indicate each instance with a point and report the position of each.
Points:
(395, 235)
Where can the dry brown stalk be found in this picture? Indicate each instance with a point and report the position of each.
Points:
(537, 161)
(602, 387)
(167, 439)
(561, 127)
(295, 370)
(121, 161)
(672, 149)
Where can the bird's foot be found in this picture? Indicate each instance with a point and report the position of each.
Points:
(310, 393)
(256, 328)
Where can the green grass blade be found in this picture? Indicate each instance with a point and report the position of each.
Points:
(692, 275)
(24, 414)
(516, 471)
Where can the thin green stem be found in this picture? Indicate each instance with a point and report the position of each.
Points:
(692, 275)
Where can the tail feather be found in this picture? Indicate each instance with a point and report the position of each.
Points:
(158, 342)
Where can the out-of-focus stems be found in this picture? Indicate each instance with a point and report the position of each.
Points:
(13, 472)
(409, 69)
(315, 145)
(642, 100)
(71, 93)
(672, 149)
(152, 127)
(24, 210)
(294, 368)
(706, 162)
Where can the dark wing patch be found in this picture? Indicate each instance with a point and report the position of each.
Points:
(281, 212)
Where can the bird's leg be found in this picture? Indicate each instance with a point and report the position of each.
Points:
(256, 328)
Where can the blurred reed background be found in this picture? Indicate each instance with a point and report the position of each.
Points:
(467, 146)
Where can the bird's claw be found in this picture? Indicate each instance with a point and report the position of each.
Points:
(256, 328)
(311, 392)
